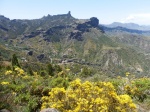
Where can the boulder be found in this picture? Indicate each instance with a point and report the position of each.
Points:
(4, 110)
(49, 110)
(30, 53)
(94, 22)
(141, 109)
(40, 57)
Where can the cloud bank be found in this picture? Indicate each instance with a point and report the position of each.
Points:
(142, 19)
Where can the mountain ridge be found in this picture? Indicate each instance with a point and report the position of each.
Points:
(64, 38)
(128, 25)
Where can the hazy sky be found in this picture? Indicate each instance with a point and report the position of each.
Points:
(107, 11)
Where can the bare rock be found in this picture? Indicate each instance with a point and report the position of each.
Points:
(40, 57)
(49, 110)
(76, 35)
(30, 53)
(4, 110)
(94, 22)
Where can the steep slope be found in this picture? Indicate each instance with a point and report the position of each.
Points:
(64, 39)
(138, 39)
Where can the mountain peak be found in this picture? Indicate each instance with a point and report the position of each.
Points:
(69, 13)
(94, 21)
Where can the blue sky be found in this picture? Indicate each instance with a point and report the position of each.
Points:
(107, 11)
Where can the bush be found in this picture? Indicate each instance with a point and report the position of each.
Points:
(88, 97)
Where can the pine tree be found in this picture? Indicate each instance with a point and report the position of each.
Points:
(14, 61)
(50, 69)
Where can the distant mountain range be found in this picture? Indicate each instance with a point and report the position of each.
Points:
(63, 38)
(124, 29)
(128, 26)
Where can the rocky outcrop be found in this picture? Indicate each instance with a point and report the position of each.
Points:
(30, 53)
(4, 110)
(49, 32)
(3, 18)
(94, 22)
(53, 30)
(76, 35)
(32, 34)
(84, 27)
(4, 29)
(69, 13)
(40, 57)
(49, 110)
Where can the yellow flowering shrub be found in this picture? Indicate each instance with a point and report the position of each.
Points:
(4, 83)
(88, 97)
(127, 74)
(22, 87)
(138, 88)
(18, 72)
(8, 72)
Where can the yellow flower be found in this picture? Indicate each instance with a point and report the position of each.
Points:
(132, 105)
(88, 97)
(125, 99)
(26, 77)
(67, 69)
(118, 77)
(127, 74)
(61, 73)
(8, 72)
(4, 83)
(99, 101)
(19, 71)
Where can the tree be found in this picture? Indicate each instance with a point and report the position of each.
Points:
(50, 69)
(14, 61)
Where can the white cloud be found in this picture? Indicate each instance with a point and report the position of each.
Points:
(142, 19)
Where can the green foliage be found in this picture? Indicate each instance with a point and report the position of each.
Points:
(50, 69)
(85, 72)
(57, 68)
(59, 82)
(137, 88)
(88, 97)
(19, 85)
(29, 70)
(5, 54)
(15, 61)
(24, 90)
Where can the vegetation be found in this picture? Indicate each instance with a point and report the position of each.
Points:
(60, 88)
(63, 38)
(69, 64)
(88, 97)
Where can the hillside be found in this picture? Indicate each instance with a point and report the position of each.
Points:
(65, 39)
